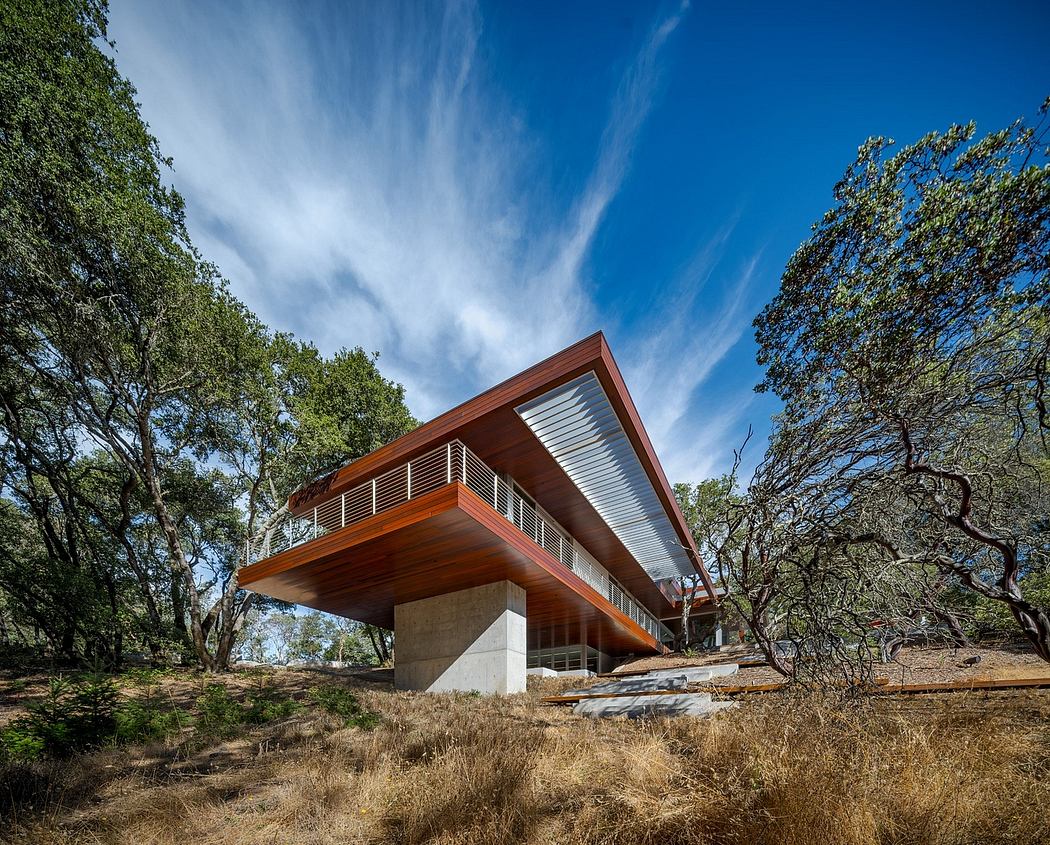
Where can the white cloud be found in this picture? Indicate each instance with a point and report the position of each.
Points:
(365, 186)
(704, 447)
(693, 326)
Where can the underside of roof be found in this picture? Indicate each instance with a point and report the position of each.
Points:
(578, 425)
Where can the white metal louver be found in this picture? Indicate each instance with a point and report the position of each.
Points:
(579, 427)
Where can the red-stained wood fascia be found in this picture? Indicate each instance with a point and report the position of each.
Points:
(408, 513)
(621, 395)
(474, 505)
(570, 362)
(454, 495)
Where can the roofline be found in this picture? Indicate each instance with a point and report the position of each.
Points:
(574, 360)
(648, 452)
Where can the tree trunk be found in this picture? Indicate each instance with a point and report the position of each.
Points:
(955, 627)
(67, 644)
(178, 612)
(688, 596)
(1034, 621)
(757, 623)
(379, 646)
(231, 621)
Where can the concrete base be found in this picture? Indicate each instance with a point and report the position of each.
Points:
(632, 685)
(542, 671)
(470, 640)
(641, 706)
(696, 674)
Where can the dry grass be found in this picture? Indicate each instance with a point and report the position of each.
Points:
(460, 769)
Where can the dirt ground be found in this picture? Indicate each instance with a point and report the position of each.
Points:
(183, 687)
(913, 665)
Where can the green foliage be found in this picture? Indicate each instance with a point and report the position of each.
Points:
(72, 716)
(145, 718)
(994, 618)
(266, 703)
(922, 249)
(909, 343)
(349, 643)
(221, 715)
(704, 506)
(341, 702)
(85, 713)
(279, 637)
(116, 332)
(21, 741)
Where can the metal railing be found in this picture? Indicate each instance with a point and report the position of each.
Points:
(445, 465)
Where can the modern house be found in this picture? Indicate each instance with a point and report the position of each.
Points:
(529, 529)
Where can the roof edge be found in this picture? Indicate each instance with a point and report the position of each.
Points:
(587, 350)
(647, 454)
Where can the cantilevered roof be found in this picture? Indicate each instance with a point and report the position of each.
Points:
(577, 424)
(502, 438)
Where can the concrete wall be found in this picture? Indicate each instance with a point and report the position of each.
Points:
(468, 640)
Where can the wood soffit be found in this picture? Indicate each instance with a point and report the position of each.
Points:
(446, 540)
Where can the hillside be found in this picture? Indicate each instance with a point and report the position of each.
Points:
(460, 768)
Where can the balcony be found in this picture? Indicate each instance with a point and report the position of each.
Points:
(447, 464)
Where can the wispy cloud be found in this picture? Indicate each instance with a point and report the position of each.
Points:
(364, 185)
(697, 321)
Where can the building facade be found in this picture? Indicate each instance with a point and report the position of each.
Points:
(528, 529)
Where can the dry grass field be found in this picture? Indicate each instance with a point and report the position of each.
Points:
(961, 768)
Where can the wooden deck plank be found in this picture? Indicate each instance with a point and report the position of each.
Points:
(884, 688)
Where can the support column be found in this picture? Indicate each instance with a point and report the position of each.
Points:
(472, 639)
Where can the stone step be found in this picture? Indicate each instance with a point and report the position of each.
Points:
(641, 706)
(696, 674)
(629, 685)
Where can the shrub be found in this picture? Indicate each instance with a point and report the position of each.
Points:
(72, 716)
(222, 714)
(267, 704)
(20, 741)
(143, 719)
(93, 720)
(84, 713)
(341, 702)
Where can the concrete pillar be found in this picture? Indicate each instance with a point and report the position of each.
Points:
(468, 640)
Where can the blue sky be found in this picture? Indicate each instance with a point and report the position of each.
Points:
(467, 188)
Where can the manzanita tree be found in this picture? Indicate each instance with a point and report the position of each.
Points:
(909, 343)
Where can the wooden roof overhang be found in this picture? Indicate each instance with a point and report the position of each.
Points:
(441, 542)
(491, 427)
